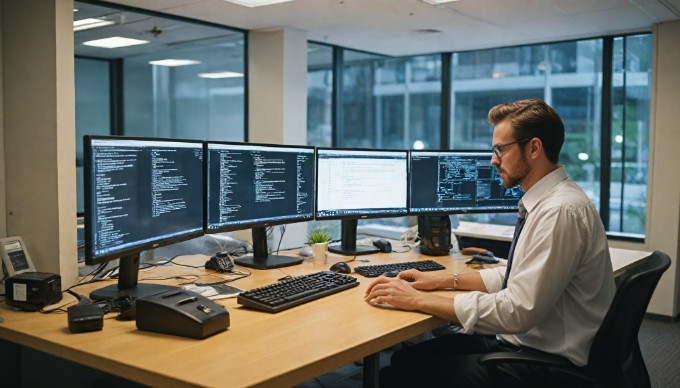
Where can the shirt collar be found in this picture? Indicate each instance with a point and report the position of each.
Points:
(532, 197)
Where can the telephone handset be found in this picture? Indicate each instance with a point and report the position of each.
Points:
(15, 257)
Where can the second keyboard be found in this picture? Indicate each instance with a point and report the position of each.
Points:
(291, 292)
(372, 271)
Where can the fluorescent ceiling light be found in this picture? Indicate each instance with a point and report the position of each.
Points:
(256, 3)
(437, 2)
(114, 42)
(85, 24)
(223, 74)
(174, 62)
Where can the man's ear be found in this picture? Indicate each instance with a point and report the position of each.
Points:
(535, 147)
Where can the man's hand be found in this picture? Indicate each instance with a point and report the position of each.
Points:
(397, 292)
(401, 293)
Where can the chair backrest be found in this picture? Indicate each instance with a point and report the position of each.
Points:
(615, 358)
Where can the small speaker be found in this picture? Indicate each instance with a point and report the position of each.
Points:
(85, 317)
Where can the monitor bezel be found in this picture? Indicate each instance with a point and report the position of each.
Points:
(254, 223)
(90, 257)
(452, 211)
(362, 216)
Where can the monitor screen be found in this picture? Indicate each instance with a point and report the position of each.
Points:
(256, 186)
(457, 182)
(354, 183)
(140, 193)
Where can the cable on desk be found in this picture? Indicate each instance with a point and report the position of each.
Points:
(408, 250)
(282, 228)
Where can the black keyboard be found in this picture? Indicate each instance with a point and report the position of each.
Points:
(292, 292)
(372, 271)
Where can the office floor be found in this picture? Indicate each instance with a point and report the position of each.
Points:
(660, 345)
(659, 341)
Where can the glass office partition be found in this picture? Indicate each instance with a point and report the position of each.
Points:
(93, 115)
(185, 79)
(203, 100)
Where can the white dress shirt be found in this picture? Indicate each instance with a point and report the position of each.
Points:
(561, 282)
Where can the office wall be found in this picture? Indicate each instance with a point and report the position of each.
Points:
(663, 216)
(3, 212)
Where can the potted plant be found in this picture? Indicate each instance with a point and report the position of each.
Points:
(319, 239)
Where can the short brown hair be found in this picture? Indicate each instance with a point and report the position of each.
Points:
(530, 119)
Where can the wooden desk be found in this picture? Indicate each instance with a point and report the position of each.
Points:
(259, 349)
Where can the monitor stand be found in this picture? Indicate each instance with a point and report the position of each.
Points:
(261, 259)
(128, 272)
(348, 244)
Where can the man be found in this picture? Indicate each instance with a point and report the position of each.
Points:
(559, 282)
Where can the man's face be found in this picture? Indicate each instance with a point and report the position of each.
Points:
(512, 165)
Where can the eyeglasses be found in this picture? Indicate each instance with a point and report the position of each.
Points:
(498, 148)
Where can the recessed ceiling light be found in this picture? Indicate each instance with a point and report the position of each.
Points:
(174, 62)
(222, 74)
(114, 42)
(437, 2)
(85, 24)
(256, 3)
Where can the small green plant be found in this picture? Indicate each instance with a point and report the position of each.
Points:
(318, 236)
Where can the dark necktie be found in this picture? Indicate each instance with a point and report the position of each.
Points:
(521, 217)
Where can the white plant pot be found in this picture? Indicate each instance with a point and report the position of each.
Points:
(320, 251)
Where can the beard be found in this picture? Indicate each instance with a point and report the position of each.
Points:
(522, 170)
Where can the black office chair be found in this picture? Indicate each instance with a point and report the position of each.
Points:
(615, 359)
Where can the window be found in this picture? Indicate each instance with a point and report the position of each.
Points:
(319, 95)
(144, 91)
(397, 103)
(566, 75)
(631, 84)
(391, 103)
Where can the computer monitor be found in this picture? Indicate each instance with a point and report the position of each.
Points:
(257, 186)
(140, 193)
(360, 183)
(455, 182)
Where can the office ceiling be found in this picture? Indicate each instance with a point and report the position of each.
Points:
(409, 27)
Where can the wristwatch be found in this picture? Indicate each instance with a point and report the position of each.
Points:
(455, 281)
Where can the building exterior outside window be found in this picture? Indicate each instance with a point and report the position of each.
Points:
(396, 103)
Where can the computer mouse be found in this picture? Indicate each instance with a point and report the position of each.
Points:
(341, 267)
(383, 245)
(391, 274)
(485, 258)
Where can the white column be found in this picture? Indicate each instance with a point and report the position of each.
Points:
(663, 196)
(39, 131)
(277, 100)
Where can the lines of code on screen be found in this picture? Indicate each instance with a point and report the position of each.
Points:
(144, 192)
(258, 184)
(458, 182)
